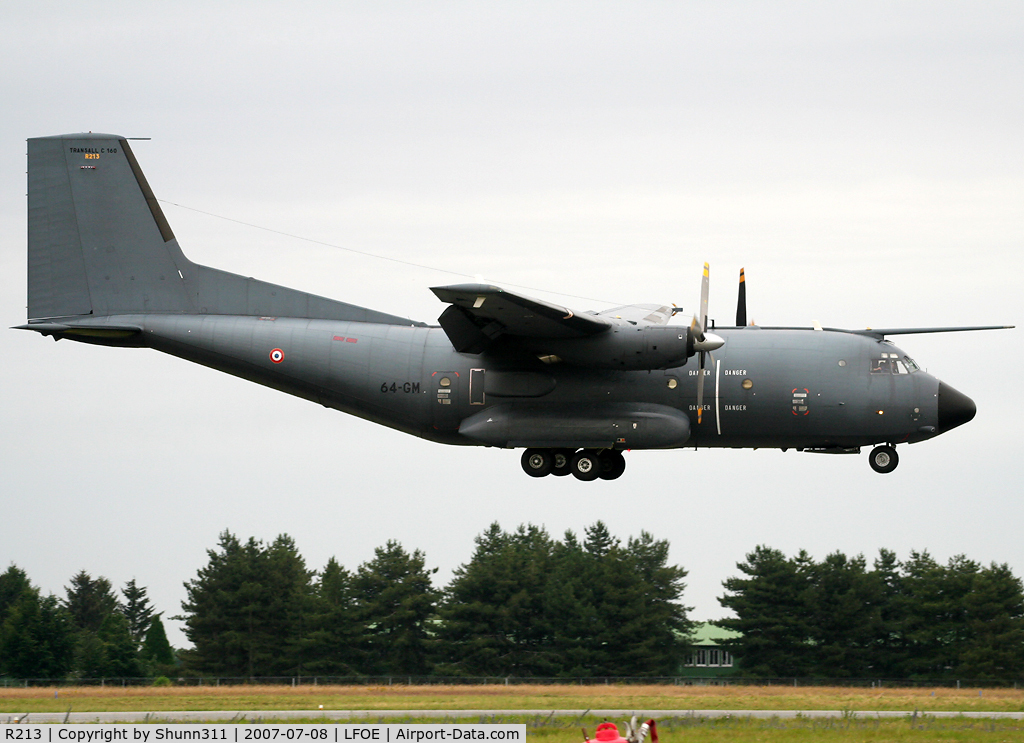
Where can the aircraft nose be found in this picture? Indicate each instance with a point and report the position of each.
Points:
(955, 408)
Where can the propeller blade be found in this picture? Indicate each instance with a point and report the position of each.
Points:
(741, 303)
(703, 342)
(700, 388)
(704, 300)
(700, 378)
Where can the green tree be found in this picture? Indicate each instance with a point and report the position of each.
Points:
(109, 652)
(221, 611)
(120, 648)
(395, 601)
(89, 601)
(37, 638)
(13, 583)
(156, 653)
(332, 644)
(628, 619)
(292, 605)
(527, 605)
(137, 611)
(663, 617)
(493, 619)
(771, 606)
(845, 616)
(570, 605)
(888, 648)
(935, 613)
(994, 648)
(244, 612)
(916, 619)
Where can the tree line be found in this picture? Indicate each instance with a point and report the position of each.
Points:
(91, 633)
(916, 619)
(525, 604)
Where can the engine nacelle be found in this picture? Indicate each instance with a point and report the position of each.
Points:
(634, 348)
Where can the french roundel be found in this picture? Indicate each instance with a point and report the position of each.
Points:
(277, 355)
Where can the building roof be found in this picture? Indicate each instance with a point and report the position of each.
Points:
(705, 633)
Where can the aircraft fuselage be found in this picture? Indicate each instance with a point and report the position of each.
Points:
(763, 388)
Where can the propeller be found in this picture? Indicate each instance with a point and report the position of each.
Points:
(703, 342)
(741, 303)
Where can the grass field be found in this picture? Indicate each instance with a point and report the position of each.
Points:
(627, 697)
(853, 724)
(843, 729)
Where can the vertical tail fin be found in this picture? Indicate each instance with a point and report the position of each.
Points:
(98, 242)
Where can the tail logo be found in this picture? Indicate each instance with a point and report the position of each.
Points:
(277, 355)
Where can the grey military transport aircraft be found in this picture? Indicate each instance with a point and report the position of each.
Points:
(574, 389)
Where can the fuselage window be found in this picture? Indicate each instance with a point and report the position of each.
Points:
(880, 366)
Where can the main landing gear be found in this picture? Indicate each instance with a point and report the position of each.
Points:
(883, 459)
(585, 464)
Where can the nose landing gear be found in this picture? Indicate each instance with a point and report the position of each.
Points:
(883, 459)
(586, 464)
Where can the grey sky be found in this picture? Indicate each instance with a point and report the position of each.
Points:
(863, 161)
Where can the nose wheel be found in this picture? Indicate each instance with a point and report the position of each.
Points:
(883, 459)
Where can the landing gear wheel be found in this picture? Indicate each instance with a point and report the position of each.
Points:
(537, 462)
(585, 465)
(561, 461)
(613, 464)
(883, 459)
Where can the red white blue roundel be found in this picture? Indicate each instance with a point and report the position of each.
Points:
(277, 355)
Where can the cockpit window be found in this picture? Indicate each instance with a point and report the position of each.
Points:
(891, 363)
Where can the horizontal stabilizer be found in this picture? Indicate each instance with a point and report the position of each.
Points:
(82, 331)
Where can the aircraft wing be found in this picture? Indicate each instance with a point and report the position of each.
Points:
(517, 314)
(882, 332)
(480, 313)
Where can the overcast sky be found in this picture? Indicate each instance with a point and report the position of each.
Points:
(863, 161)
